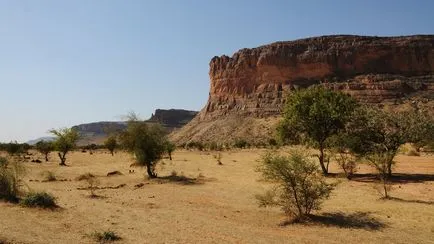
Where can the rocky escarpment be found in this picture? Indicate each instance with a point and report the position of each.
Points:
(253, 83)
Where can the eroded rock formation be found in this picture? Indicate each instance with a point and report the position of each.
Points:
(253, 83)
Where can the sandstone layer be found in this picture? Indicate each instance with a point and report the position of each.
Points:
(252, 84)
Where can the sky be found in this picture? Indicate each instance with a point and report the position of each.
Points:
(67, 62)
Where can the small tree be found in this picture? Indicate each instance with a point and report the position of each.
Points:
(66, 139)
(313, 116)
(45, 148)
(170, 147)
(146, 142)
(300, 188)
(14, 148)
(111, 144)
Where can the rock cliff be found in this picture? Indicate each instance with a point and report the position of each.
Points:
(252, 84)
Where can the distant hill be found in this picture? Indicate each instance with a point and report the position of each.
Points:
(97, 132)
(45, 138)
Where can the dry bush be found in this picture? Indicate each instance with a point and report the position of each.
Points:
(11, 173)
(299, 189)
(39, 199)
(49, 176)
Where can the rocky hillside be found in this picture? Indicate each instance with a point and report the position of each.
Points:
(248, 90)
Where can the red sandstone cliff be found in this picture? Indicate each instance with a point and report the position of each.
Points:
(253, 83)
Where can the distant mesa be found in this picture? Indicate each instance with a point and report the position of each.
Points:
(248, 90)
(97, 132)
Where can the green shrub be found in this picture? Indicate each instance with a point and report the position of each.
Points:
(10, 179)
(299, 189)
(241, 143)
(39, 199)
(106, 236)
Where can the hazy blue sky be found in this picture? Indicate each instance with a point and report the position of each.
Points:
(68, 62)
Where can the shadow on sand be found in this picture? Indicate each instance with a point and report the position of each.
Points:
(358, 220)
(395, 178)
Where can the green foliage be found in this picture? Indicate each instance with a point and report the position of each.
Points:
(378, 132)
(106, 236)
(300, 189)
(146, 142)
(170, 148)
(14, 148)
(11, 173)
(241, 143)
(313, 116)
(111, 144)
(195, 145)
(66, 139)
(39, 199)
(45, 148)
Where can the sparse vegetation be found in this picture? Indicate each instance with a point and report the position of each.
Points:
(39, 199)
(111, 144)
(312, 116)
(49, 176)
(44, 147)
(170, 148)
(85, 176)
(146, 142)
(66, 140)
(11, 173)
(300, 189)
(106, 236)
(241, 143)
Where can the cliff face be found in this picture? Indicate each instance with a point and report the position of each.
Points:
(253, 83)
(373, 69)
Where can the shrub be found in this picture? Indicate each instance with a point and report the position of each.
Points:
(300, 188)
(49, 176)
(10, 179)
(241, 143)
(85, 176)
(111, 144)
(106, 236)
(39, 199)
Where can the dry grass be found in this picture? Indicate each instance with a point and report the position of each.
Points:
(208, 203)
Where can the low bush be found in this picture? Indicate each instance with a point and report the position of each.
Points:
(49, 176)
(10, 179)
(39, 199)
(106, 236)
(300, 187)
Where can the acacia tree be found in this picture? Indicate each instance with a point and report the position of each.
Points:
(45, 147)
(111, 144)
(66, 140)
(313, 116)
(147, 142)
(378, 136)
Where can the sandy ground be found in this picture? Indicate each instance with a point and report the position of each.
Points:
(217, 205)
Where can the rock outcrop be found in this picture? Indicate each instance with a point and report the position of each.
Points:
(253, 83)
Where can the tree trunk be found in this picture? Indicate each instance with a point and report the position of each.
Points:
(170, 156)
(321, 160)
(112, 152)
(151, 173)
(46, 157)
(62, 159)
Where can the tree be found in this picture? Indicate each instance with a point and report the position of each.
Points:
(145, 141)
(111, 144)
(313, 116)
(300, 189)
(14, 148)
(170, 147)
(66, 139)
(45, 147)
